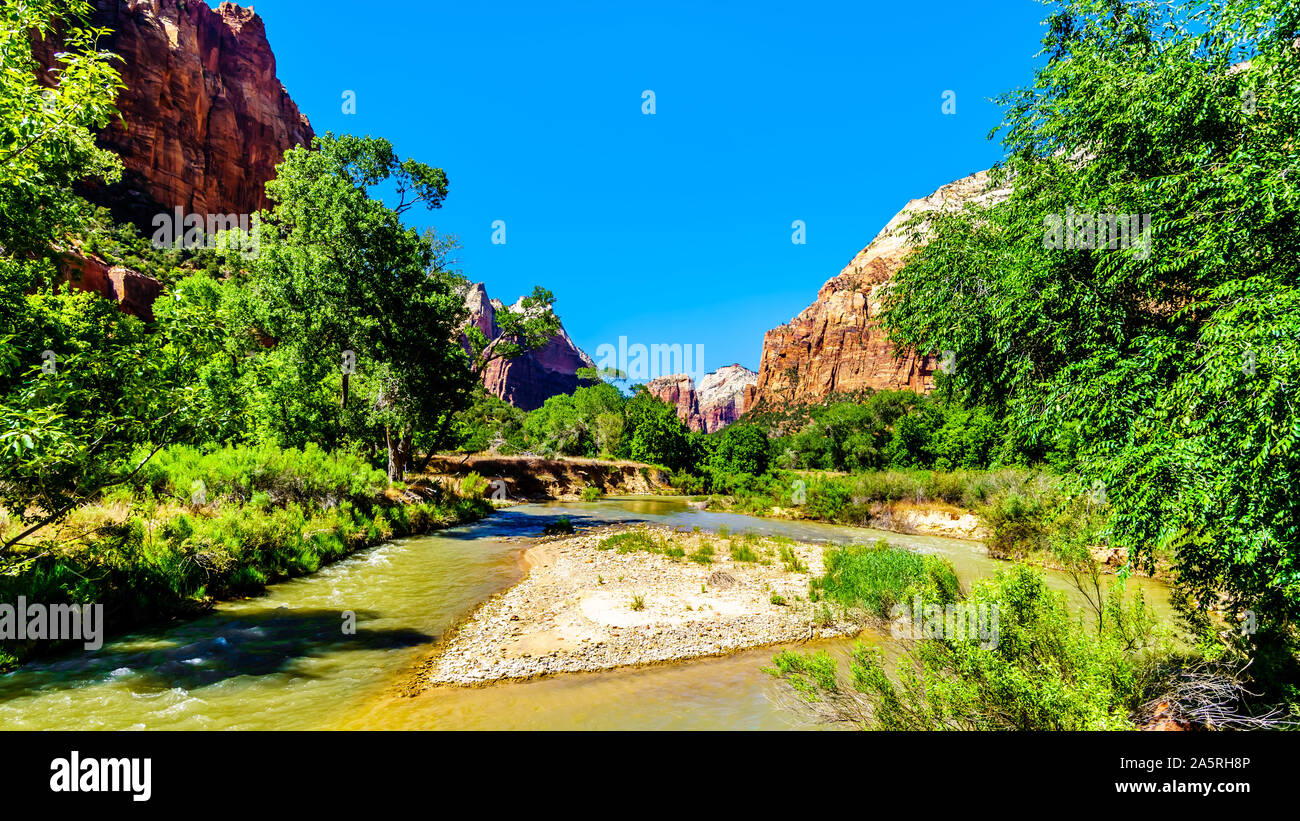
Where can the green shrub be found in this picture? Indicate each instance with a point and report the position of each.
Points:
(876, 577)
(1045, 671)
(473, 486)
(560, 527)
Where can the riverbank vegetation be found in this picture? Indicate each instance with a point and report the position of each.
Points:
(1042, 673)
(201, 524)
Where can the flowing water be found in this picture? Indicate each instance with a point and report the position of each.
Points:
(283, 660)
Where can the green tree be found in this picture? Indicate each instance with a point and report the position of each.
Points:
(47, 131)
(1175, 353)
(740, 449)
(659, 437)
(80, 385)
(344, 288)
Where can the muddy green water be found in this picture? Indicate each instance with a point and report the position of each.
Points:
(282, 661)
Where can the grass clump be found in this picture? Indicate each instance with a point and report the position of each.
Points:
(876, 577)
(791, 560)
(628, 542)
(562, 526)
(703, 555)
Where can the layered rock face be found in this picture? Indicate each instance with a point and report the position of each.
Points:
(530, 379)
(204, 118)
(719, 400)
(836, 345)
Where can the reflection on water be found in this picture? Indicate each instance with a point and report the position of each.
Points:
(284, 661)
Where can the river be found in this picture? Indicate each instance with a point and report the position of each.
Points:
(283, 660)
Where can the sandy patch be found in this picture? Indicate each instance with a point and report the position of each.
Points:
(583, 608)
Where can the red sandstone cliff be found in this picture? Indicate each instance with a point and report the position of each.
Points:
(205, 120)
(678, 390)
(204, 123)
(836, 345)
(718, 401)
(530, 379)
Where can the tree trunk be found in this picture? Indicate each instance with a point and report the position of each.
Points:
(395, 460)
(399, 454)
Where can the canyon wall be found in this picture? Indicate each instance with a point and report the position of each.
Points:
(533, 377)
(717, 402)
(836, 345)
(204, 121)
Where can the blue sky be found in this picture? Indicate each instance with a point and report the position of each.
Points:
(673, 227)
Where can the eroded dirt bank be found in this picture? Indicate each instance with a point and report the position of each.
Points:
(532, 478)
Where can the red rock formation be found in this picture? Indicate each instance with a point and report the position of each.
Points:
(204, 118)
(134, 292)
(836, 345)
(530, 379)
(718, 402)
(678, 390)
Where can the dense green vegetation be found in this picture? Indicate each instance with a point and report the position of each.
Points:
(877, 577)
(281, 370)
(1045, 671)
(1174, 358)
(341, 332)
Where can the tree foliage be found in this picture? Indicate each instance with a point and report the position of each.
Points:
(1174, 360)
